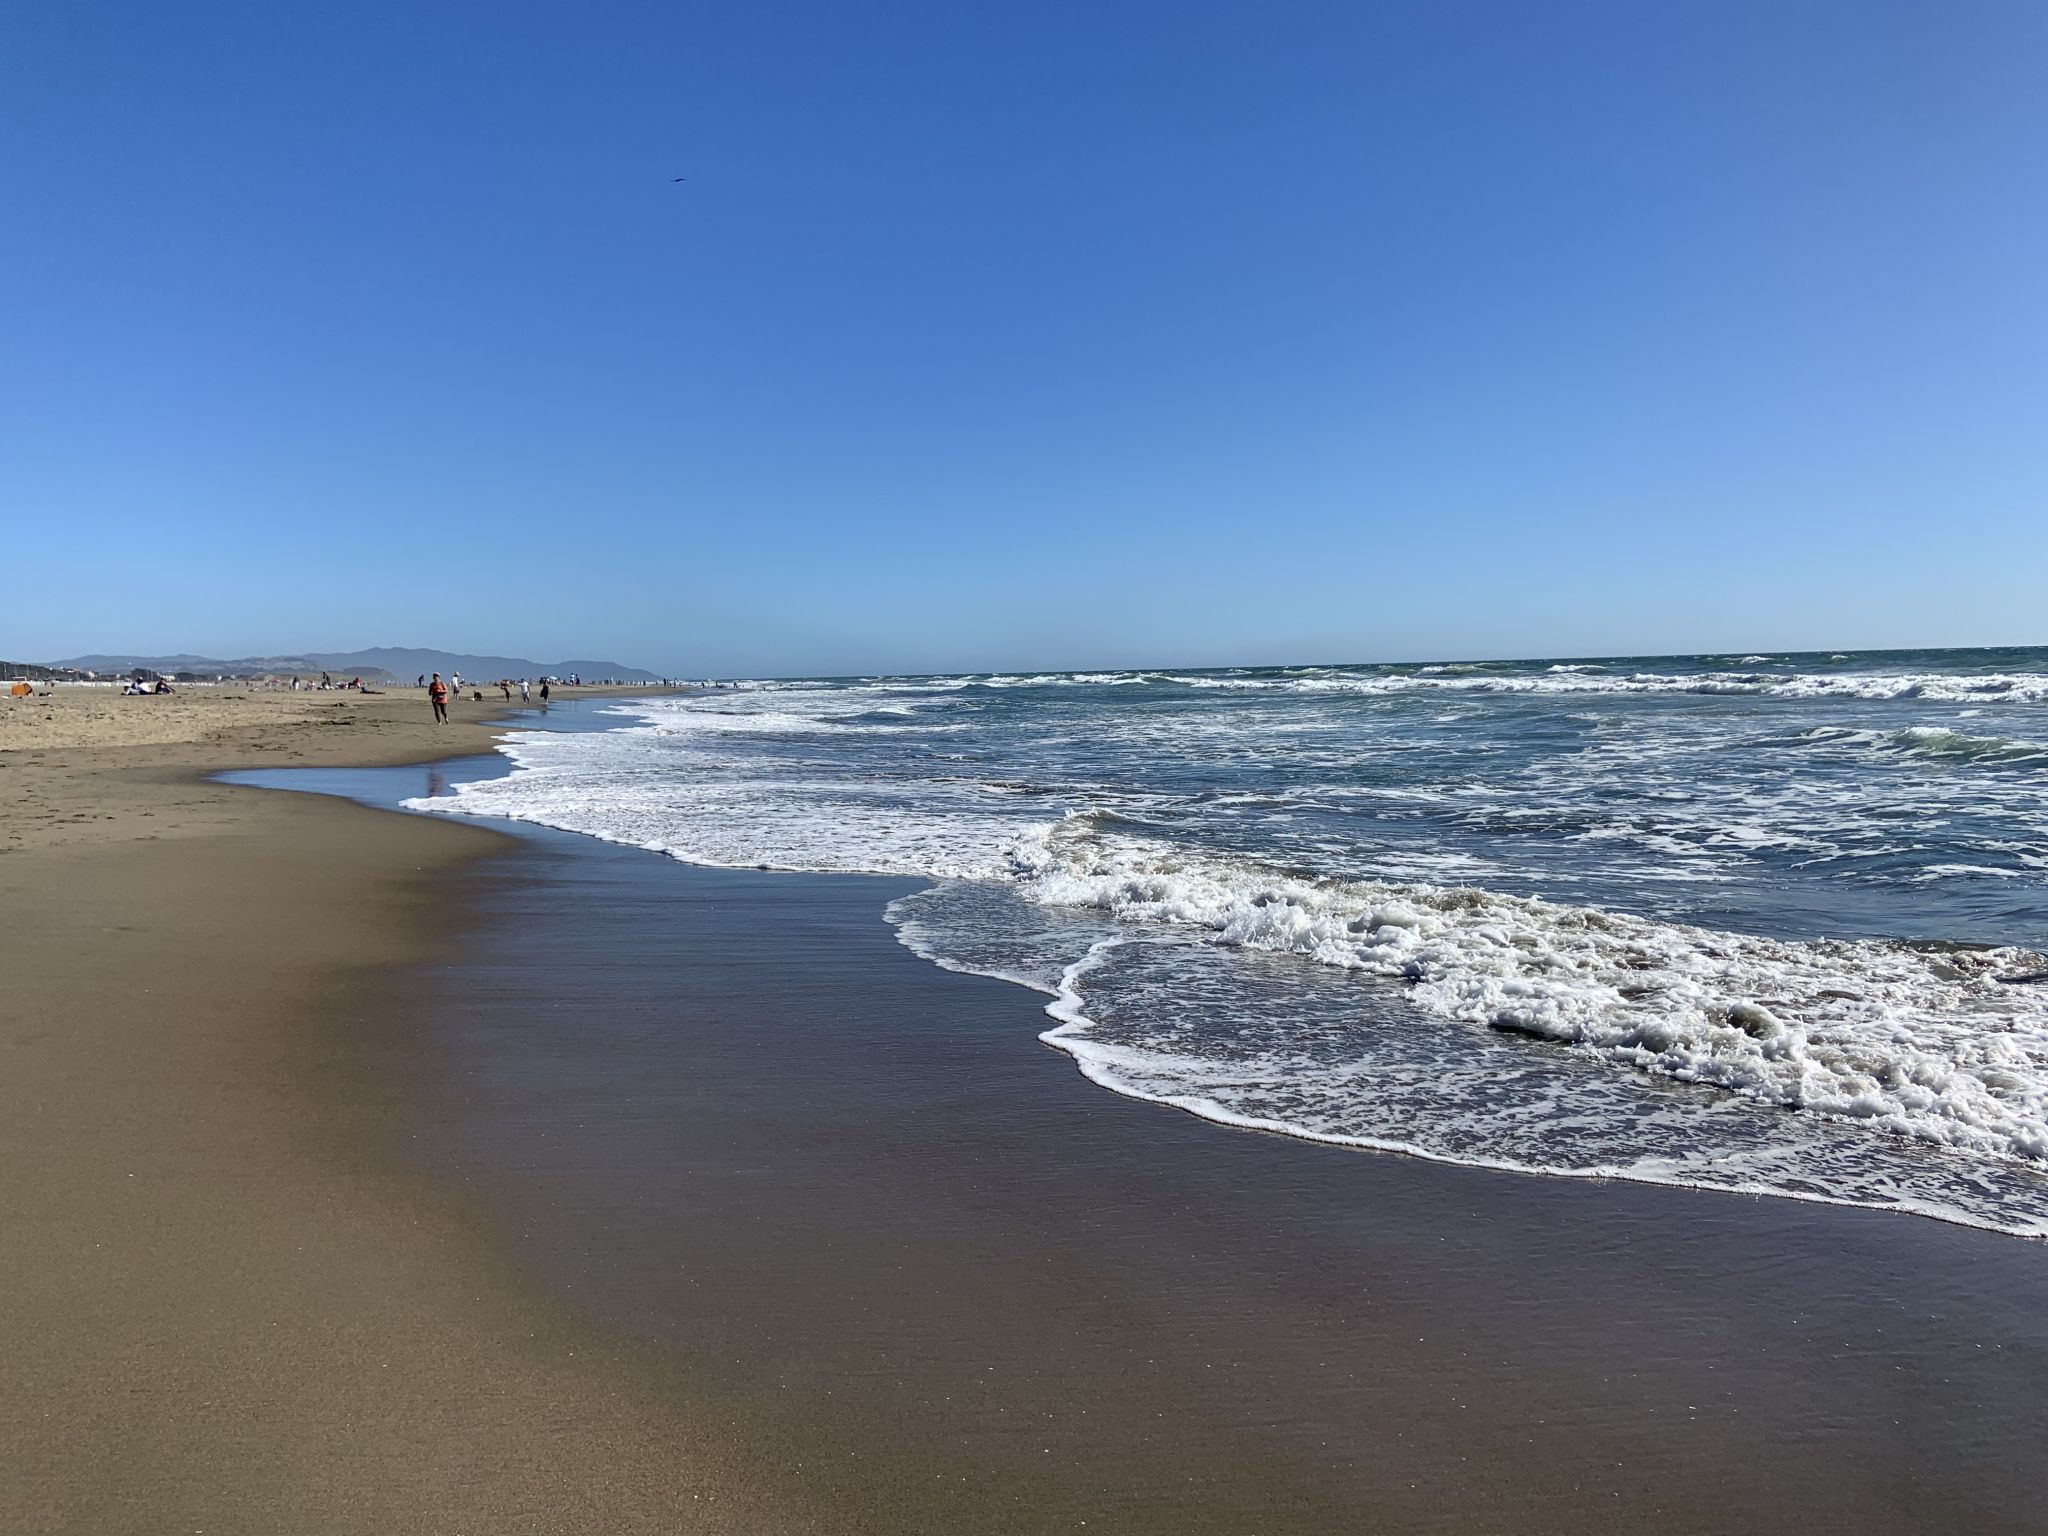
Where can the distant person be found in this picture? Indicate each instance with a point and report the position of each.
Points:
(543, 690)
(422, 682)
(523, 694)
(438, 692)
(505, 687)
(456, 679)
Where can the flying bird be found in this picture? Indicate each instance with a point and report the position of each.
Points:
(682, 178)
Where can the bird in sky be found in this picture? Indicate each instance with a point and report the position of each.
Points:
(682, 178)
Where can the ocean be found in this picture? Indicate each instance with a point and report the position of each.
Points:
(1760, 923)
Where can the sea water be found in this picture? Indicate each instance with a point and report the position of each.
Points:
(1755, 922)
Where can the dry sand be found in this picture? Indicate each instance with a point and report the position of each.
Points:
(268, 724)
(221, 1308)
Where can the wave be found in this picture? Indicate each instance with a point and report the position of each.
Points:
(1527, 1114)
(1502, 677)
(1928, 1046)
(861, 719)
(1933, 741)
(1956, 688)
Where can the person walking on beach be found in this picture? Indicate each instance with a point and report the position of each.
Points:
(438, 692)
(543, 690)
(523, 695)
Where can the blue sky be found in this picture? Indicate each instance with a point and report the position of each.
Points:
(988, 336)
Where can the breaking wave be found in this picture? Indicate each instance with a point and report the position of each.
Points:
(1951, 688)
(1929, 1045)
(1933, 741)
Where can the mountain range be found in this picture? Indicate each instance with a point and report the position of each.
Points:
(400, 663)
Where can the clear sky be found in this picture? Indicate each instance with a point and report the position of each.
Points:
(1023, 335)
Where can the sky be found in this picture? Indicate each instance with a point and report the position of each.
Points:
(996, 336)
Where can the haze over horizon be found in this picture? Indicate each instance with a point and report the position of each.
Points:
(1076, 338)
(312, 655)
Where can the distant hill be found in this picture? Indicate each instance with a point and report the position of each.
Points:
(402, 662)
(396, 662)
(104, 663)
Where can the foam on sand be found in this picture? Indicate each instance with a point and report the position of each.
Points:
(1925, 1044)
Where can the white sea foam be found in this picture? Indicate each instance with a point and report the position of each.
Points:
(1503, 677)
(1931, 686)
(1930, 1046)
(1313, 1054)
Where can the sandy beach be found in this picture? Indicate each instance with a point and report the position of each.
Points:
(376, 1173)
(228, 1308)
(1357, 843)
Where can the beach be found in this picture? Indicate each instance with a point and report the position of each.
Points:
(386, 1173)
(229, 1308)
(1357, 843)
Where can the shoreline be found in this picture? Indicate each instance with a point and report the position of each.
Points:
(232, 1306)
(949, 1285)
(509, 1230)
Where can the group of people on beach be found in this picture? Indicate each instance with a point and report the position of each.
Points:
(327, 684)
(438, 691)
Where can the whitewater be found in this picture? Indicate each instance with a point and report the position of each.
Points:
(1757, 923)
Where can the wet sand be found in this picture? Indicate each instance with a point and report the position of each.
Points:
(948, 1285)
(372, 1173)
